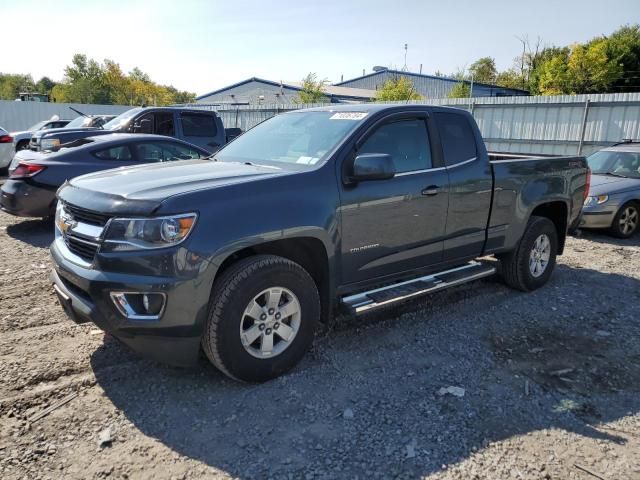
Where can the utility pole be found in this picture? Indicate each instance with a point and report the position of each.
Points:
(406, 46)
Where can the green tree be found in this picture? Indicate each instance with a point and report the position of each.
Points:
(590, 68)
(12, 84)
(312, 90)
(624, 49)
(510, 78)
(535, 68)
(553, 76)
(398, 89)
(460, 90)
(484, 70)
(44, 85)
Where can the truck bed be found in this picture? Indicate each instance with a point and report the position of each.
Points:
(520, 182)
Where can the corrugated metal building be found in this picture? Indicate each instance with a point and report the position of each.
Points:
(429, 86)
(257, 91)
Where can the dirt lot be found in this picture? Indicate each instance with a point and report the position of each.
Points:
(551, 386)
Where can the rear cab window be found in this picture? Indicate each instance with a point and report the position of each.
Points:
(198, 125)
(457, 137)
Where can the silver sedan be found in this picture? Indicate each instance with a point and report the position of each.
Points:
(6, 148)
(614, 196)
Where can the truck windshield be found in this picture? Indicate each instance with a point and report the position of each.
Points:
(302, 138)
(79, 122)
(121, 119)
(616, 163)
(37, 126)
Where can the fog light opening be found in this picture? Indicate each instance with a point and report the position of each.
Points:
(139, 305)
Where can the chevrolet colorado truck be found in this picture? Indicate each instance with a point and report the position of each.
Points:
(355, 207)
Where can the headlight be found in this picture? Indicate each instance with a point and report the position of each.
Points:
(146, 233)
(49, 144)
(597, 200)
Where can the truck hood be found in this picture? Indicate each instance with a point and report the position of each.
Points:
(609, 184)
(57, 132)
(22, 134)
(141, 189)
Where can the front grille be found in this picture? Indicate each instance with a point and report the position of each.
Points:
(87, 216)
(82, 248)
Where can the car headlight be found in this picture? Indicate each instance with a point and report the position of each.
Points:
(146, 233)
(597, 200)
(50, 144)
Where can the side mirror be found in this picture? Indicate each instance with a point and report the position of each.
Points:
(142, 126)
(373, 166)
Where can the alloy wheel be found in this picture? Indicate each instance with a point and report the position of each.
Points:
(270, 322)
(539, 256)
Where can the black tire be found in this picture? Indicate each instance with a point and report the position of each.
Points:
(231, 295)
(617, 228)
(22, 145)
(515, 268)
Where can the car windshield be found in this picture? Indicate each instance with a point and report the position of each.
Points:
(37, 126)
(121, 119)
(79, 122)
(615, 163)
(302, 138)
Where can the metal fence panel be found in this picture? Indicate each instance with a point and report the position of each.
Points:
(16, 116)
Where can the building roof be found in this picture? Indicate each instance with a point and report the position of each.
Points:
(329, 90)
(423, 75)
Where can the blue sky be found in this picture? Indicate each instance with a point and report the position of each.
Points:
(200, 45)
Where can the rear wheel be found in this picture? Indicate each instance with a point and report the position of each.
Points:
(625, 223)
(262, 318)
(22, 145)
(530, 265)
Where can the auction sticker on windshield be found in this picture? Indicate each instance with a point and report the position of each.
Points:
(348, 116)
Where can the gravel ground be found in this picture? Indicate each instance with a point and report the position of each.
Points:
(551, 386)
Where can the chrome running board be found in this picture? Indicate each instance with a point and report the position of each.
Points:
(398, 292)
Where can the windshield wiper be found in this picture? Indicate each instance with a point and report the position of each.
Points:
(614, 174)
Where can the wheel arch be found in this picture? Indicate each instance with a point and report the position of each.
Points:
(558, 212)
(307, 251)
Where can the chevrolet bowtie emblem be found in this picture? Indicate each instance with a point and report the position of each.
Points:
(67, 222)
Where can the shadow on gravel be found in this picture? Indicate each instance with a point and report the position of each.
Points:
(601, 236)
(365, 400)
(38, 233)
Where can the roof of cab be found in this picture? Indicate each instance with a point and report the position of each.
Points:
(370, 107)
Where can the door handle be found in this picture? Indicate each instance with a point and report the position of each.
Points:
(431, 190)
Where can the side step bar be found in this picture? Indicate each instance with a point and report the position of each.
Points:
(398, 292)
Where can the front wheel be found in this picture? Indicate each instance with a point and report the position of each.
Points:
(625, 223)
(530, 265)
(263, 314)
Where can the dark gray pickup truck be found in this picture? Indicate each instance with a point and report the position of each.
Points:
(355, 207)
(199, 127)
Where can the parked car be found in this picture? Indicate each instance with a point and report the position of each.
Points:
(614, 198)
(6, 147)
(200, 127)
(21, 139)
(355, 206)
(50, 139)
(30, 191)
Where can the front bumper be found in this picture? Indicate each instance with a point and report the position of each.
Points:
(597, 217)
(174, 338)
(22, 199)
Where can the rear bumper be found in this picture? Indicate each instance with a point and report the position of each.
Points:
(19, 198)
(84, 294)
